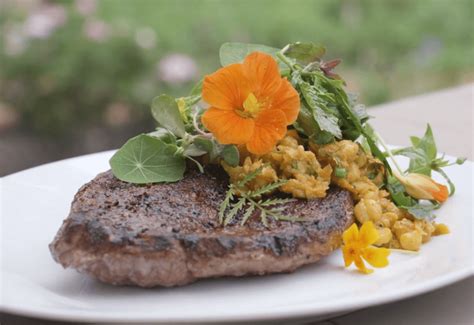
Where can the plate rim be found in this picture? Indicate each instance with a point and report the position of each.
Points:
(306, 311)
(298, 311)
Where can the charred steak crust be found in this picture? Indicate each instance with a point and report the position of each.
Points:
(168, 234)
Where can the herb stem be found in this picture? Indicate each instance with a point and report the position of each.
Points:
(388, 152)
(284, 59)
(198, 129)
(452, 188)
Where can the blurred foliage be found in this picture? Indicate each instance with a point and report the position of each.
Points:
(390, 49)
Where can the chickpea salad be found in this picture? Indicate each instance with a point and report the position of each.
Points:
(281, 120)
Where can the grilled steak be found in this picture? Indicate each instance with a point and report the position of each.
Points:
(168, 234)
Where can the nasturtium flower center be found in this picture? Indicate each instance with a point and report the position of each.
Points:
(251, 106)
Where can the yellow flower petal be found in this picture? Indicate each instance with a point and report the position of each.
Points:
(368, 234)
(351, 235)
(348, 254)
(361, 266)
(375, 256)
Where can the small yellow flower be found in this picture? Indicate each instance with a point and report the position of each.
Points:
(358, 246)
(423, 187)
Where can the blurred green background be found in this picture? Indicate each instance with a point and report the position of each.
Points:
(78, 76)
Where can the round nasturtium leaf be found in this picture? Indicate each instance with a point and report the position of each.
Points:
(146, 159)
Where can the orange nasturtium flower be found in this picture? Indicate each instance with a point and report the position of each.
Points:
(251, 104)
(423, 187)
(358, 246)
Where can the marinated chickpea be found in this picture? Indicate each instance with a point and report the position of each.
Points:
(441, 229)
(353, 173)
(402, 226)
(388, 219)
(365, 187)
(410, 240)
(367, 209)
(426, 228)
(385, 236)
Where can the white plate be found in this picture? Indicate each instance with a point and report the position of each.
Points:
(34, 202)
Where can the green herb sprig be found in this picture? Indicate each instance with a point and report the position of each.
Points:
(424, 158)
(238, 199)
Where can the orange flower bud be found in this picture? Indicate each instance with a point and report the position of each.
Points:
(423, 187)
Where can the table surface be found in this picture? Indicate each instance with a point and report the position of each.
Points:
(450, 113)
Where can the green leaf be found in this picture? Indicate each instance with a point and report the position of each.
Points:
(236, 52)
(267, 189)
(327, 122)
(277, 201)
(247, 214)
(306, 122)
(208, 145)
(397, 192)
(361, 112)
(422, 211)
(166, 112)
(204, 143)
(164, 135)
(423, 153)
(419, 162)
(230, 154)
(305, 53)
(427, 144)
(411, 152)
(250, 176)
(235, 208)
(415, 141)
(225, 204)
(194, 151)
(321, 114)
(323, 137)
(146, 159)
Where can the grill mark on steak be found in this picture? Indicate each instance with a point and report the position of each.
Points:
(168, 234)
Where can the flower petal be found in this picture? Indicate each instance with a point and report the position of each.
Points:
(227, 126)
(227, 88)
(376, 256)
(287, 99)
(424, 187)
(368, 234)
(361, 266)
(441, 194)
(261, 70)
(347, 253)
(270, 126)
(351, 235)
